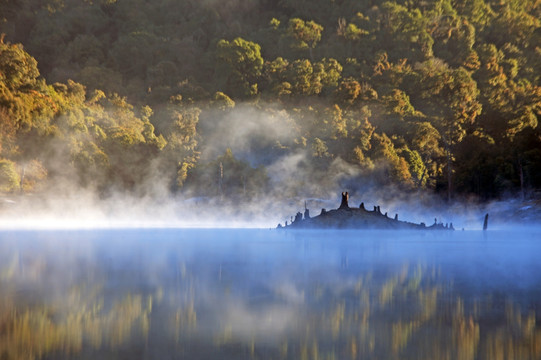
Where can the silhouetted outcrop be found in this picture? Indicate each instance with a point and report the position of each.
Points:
(306, 212)
(357, 218)
(345, 199)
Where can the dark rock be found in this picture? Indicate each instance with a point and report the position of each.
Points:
(357, 218)
(345, 198)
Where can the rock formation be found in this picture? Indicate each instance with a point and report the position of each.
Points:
(356, 218)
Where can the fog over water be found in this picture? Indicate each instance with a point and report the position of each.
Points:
(293, 180)
(268, 294)
(79, 209)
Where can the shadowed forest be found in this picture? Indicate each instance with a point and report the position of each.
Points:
(246, 98)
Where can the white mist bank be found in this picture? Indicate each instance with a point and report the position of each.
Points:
(87, 211)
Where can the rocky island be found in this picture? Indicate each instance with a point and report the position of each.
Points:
(346, 217)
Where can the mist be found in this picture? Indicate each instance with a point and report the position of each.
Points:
(260, 137)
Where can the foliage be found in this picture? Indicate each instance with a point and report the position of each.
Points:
(403, 90)
(9, 178)
(240, 63)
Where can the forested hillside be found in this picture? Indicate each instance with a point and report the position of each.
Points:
(246, 98)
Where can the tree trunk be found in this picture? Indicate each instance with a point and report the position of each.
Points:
(447, 144)
(22, 179)
(220, 179)
(521, 174)
(449, 173)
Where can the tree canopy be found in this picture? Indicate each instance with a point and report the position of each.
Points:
(438, 95)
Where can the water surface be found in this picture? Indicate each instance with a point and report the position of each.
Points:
(268, 294)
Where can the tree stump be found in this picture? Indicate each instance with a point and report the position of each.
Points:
(345, 198)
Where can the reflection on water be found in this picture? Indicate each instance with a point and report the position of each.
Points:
(261, 294)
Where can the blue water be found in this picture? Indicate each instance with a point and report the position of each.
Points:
(270, 294)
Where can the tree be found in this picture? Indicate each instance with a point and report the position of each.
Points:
(241, 63)
(393, 166)
(511, 105)
(276, 77)
(319, 148)
(18, 70)
(306, 78)
(350, 31)
(348, 90)
(454, 41)
(449, 99)
(9, 178)
(404, 32)
(416, 166)
(302, 78)
(338, 73)
(305, 34)
(423, 138)
(180, 154)
(330, 73)
(337, 123)
(32, 175)
(223, 102)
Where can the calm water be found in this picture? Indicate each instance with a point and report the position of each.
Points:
(267, 294)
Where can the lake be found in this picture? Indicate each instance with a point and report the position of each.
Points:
(269, 294)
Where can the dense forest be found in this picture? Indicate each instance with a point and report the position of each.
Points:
(246, 98)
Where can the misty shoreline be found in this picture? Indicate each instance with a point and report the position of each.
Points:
(24, 211)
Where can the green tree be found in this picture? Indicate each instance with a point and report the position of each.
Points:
(18, 70)
(180, 154)
(302, 78)
(305, 34)
(449, 99)
(511, 105)
(319, 148)
(348, 90)
(9, 178)
(403, 32)
(423, 138)
(241, 63)
(416, 166)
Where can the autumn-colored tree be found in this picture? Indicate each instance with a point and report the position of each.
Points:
(452, 105)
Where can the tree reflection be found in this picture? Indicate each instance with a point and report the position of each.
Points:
(191, 311)
(34, 333)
